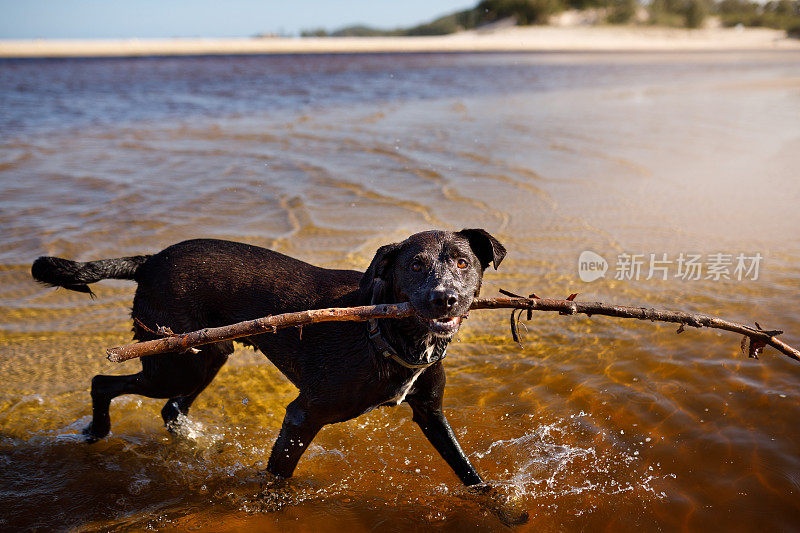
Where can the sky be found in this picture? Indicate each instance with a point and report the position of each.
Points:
(123, 19)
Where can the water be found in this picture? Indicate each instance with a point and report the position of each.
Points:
(594, 424)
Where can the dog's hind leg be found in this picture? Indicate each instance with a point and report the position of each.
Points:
(300, 426)
(179, 405)
(174, 408)
(105, 389)
(171, 376)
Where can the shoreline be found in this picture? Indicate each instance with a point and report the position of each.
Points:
(515, 39)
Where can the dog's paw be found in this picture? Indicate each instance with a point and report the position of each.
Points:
(92, 433)
(507, 508)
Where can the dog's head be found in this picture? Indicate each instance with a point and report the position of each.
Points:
(438, 272)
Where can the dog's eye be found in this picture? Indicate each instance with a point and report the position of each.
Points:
(462, 263)
(417, 265)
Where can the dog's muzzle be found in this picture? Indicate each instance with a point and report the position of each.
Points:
(443, 327)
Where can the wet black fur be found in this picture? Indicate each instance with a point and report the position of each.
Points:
(205, 283)
(58, 272)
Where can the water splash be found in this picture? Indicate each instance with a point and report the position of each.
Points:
(194, 431)
(559, 462)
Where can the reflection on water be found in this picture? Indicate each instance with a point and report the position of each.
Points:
(595, 424)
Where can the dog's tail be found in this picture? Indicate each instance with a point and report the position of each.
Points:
(75, 276)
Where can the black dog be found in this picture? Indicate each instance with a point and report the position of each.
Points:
(341, 369)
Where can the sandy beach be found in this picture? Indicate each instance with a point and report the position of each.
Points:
(539, 38)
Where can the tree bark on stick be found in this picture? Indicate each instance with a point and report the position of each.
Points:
(172, 342)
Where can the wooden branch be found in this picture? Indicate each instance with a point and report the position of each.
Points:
(757, 335)
(172, 342)
(268, 324)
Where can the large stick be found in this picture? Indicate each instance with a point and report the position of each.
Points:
(183, 342)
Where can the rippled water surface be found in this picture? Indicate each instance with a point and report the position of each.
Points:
(596, 424)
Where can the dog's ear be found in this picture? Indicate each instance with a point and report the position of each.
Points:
(377, 268)
(484, 246)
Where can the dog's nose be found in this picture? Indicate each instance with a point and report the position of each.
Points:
(443, 300)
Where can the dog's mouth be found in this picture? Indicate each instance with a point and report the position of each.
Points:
(443, 327)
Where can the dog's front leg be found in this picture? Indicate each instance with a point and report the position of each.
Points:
(435, 426)
(299, 428)
(426, 403)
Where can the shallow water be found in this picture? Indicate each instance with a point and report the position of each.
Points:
(596, 424)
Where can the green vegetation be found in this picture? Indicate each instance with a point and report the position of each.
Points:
(779, 14)
(525, 11)
(621, 11)
(462, 20)
(679, 13)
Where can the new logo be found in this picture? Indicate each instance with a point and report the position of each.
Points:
(591, 266)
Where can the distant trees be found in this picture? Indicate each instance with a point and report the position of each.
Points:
(695, 12)
(622, 11)
(524, 11)
(686, 13)
(462, 20)
(780, 14)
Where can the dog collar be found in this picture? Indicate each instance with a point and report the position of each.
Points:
(387, 351)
